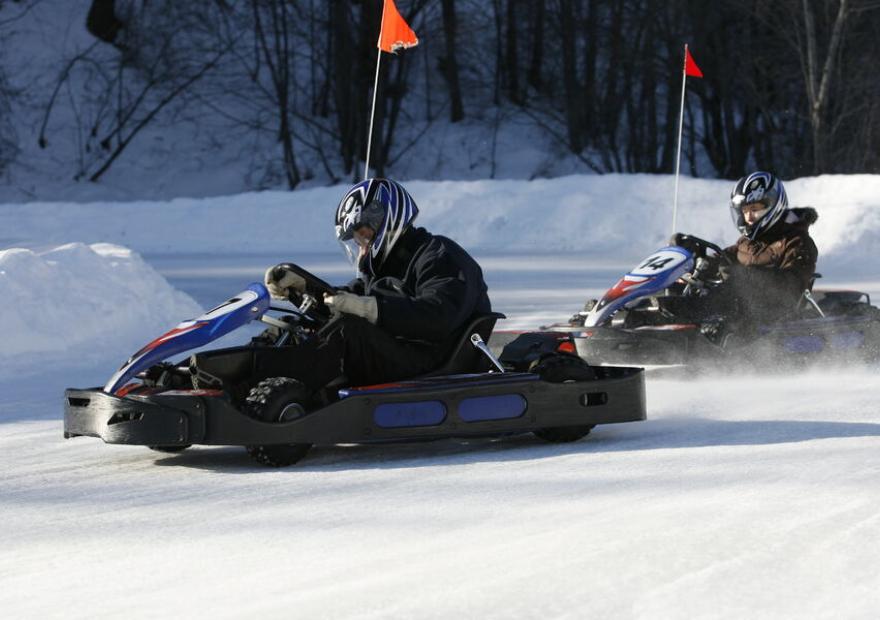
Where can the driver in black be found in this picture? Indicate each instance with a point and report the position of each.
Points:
(414, 292)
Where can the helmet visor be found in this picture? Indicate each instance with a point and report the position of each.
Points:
(355, 245)
(371, 216)
(741, 212)
(754, 211)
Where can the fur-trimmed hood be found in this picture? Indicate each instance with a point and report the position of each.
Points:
(800, 217)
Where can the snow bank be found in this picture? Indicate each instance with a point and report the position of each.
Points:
(80, 301)
(603, 217)
(103, 294)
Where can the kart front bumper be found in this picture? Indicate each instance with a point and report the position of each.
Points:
(164, 422)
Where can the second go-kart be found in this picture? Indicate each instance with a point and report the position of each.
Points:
(655, 316)
(170, 406)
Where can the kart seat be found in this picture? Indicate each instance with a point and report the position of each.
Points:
(465, 357)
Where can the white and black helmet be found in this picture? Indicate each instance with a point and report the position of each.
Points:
(763, 188)
(384, 206)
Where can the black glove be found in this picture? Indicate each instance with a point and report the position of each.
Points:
(685, 241)
(728, 272)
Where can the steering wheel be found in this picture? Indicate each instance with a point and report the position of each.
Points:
(699, 246)
(311, 302)
(707, 270)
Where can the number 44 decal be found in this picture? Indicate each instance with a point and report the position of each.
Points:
(656, 263)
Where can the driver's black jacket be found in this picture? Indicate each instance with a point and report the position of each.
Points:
(427, 289)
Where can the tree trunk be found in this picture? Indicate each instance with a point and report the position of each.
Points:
(499, 59)
(536, 64)
(590, 59)
(342, 72)
(512, 54)
(451, 62)
(573, 100)
(819, 80)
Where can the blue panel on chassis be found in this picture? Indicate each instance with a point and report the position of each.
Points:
(500, 407)
(804, 344)
(847, 341)
(403, 415)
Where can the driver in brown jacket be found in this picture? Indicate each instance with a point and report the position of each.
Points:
(775, 258)
(771, 264)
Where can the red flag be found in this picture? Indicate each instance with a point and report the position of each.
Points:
(690, 67)
(396, 33)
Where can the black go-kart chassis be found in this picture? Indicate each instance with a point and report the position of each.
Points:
(457, 406)
(560, 399)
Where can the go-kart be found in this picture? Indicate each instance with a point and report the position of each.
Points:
(655, 316)
(170, 406)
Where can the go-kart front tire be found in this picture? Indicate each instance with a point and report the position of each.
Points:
(279, 399)
(563, 368)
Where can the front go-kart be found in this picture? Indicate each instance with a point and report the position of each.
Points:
(656, 315)
(170, 406)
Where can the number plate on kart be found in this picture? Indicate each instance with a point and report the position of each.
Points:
(662, 260)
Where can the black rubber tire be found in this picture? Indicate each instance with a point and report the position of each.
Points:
(169, 449)
(272, 400)
(864, 309)
(563, 434)
(563, 368)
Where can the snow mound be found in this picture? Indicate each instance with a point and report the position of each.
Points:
(601, 217)
(79, 301)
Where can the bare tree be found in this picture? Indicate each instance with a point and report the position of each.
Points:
(8, 136)
(125, 89)
(275, 50)
(818, 79)
(449, 63)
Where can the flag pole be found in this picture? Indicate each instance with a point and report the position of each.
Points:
(375, 92)
(680, 129)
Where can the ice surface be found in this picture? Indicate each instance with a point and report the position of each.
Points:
(743, 495)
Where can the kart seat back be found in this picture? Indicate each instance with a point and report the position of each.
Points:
(807, 300)
(465, 357)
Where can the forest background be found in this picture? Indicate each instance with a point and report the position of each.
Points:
(276, 93)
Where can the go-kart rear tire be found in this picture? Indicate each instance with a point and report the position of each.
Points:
(563, 368)
(169, 449)
(564, 434)
(279, 399)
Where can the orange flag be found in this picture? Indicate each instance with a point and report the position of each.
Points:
(396, 33)
(690, 66)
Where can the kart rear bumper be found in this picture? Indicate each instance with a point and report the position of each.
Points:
(609, 345)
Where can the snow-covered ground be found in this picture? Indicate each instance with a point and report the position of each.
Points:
(745, 495)
(85, 299)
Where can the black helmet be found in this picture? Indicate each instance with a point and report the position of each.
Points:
(758, 187)
(384, 206)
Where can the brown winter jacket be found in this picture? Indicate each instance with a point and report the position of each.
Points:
(775, 269)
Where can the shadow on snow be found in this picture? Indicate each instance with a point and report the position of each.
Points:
(651, 435)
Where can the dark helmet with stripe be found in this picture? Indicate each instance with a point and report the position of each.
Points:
(763, 188)
(382, 205)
